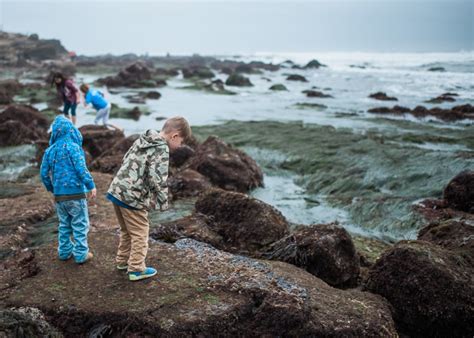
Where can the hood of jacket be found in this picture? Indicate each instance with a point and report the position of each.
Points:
(64, 131)
(150, 138)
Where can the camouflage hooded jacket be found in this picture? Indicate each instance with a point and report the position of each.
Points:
(141, 179)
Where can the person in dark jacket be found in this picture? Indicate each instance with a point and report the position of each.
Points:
(68, 93)
(65, 174)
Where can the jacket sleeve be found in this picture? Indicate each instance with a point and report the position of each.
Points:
(76, 154)
(45, 171)
(158, 175)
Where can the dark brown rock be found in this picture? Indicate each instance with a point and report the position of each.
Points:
(459, 193)
(382, 97)
(245, 223)
(111, 160)
(8, 89)
(314, 64)
(226, 167)
(431, 289)
(197, 72)
(20, 124)
(453, 114)
(99, 139)
(452, 234)
(315, 93)
(324, 250)
(446, 97)
(179, 156)
(296, 77)
(238, 80)
(188, 183)
(134, 76)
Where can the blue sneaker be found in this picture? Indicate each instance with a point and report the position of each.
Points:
(147, 273)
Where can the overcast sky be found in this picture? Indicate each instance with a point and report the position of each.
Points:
(225, 27)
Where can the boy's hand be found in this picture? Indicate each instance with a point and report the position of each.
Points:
(94, 193)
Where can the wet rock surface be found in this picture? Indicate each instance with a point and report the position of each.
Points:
(98, 139)
(296, 77)
(446, 97)
(201, 291)
(431, 288)
(451, 234)
(20, 49)
(316, 93)
(25, 322)
(226, 167)
(245, 223)
(238, 80)
(459, 193)
(324, 250)
(278, 87)
(21, 124)
(453, 114)
(382, 97)
(135, 75)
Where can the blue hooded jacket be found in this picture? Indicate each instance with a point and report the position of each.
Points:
(64, 161)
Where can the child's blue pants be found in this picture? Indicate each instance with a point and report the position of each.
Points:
(73, 221)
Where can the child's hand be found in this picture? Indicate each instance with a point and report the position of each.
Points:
(94, 193)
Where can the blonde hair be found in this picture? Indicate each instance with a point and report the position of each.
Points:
(180, 125)
(84, 88)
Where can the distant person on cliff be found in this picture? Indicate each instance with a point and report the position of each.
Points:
(100, 104)
(68, 93)
(64, 173)
(139, 186)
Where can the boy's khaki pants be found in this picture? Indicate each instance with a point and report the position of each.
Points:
(133, 245)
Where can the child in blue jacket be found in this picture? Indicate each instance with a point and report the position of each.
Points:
(64, 173)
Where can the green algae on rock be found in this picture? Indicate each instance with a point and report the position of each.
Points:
(376, 175)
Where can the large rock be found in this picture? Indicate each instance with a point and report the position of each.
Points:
(197, 72)
(134, 76)
(188, 183)
(459, 193)
(246, 224)
(452, 234)
(98, 139)
(225, 166)
(446, 97)
(238, 80)
(431, 289)
(111, 160)
(20, 124)
(314, 64)
(8, 89)
(324, 250)
(316, 93)
(20, 50)
(201, 291)
(453, 114)
(296, 77)
(25, 322)
(382, 97)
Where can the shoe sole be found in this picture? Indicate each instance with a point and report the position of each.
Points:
(122, 268)
(134, 278)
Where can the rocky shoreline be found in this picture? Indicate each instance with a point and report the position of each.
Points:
(234, 266)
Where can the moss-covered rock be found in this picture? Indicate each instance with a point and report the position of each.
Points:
(278, 87)
(431, 289)
(238, 80)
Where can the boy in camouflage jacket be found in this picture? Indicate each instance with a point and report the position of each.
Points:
(140, 185)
